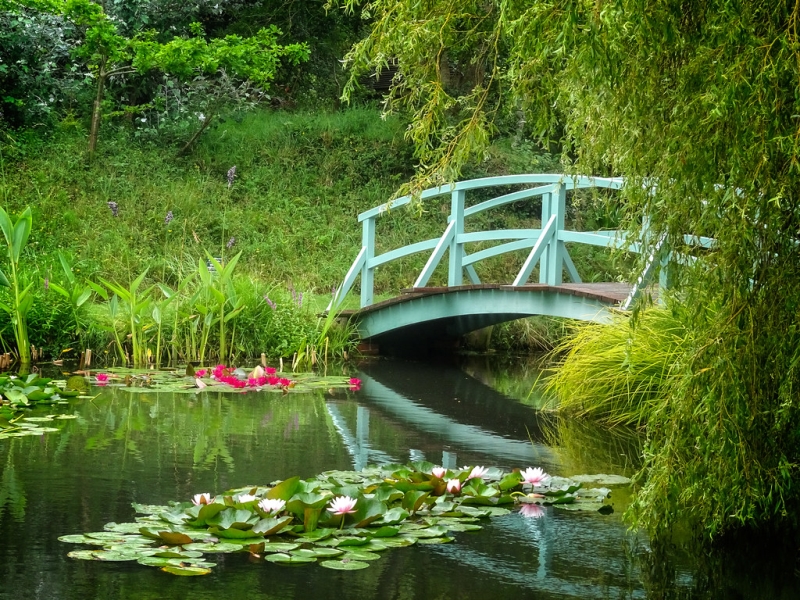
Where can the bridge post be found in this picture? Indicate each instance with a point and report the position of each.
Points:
(367, 271)
(553, 260)
(455, 273)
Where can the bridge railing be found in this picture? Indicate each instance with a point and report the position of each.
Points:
(547, 243)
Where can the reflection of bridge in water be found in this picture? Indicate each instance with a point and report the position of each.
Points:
(465, 421)
(455, 412)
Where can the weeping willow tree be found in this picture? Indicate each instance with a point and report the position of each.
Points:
(697, 104)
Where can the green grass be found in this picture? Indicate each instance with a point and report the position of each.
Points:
(301, 180)
(619, 374)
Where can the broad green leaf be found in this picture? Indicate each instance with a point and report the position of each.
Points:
(344, 565)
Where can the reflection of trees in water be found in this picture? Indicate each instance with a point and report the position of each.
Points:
(585, 447)
(12, 496)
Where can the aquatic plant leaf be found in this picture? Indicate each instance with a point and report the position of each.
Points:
(280, 547)
(602, 479)
(82, 554)
(360, 555)
(344, 565)
(317, 534)
(186, 571)
(174, 537)
(149, 509)
(385, 532)
(510, 481)
(270, 526)
(352, 541)
(414, 499)
(288, 559)
(114, 556)
(285, 489)
(236, 518)
(367, 511)
(398, 542)
(435, 540)
(423, 466)
(318, 552)
(213, 548)
(393, 516)
(300, 502)
(80, 539)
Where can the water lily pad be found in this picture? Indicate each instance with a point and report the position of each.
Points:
(357, 554)
(65, 417)
(602, 479)
(399, 542)
(115, 556)
(38, 419)
(279, 547)
(317, 552)
(123, 527)
(436, 540)
(213, 548)
(344, 565)
(186, 571)
(290, 559)
(80, 539)
(82, 554)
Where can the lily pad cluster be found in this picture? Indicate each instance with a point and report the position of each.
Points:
(220, 379)
(21, 393)
(339, 519)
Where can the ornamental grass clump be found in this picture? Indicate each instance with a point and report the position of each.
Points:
(619, 373)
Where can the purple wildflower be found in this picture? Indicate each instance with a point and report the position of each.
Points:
(270, 303)
(230, 243)
(231, 176)
(114, 207)
(300, 299)
(46, 284)
(168, 218)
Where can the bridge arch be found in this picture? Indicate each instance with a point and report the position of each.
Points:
(457, 306)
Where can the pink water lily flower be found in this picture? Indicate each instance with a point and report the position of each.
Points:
(531, 511)
(101, 378)
(477, 473)
(201, 499)
(200, 373)
(272, 505)
(243, 498)
(342, 505)
(535, 476)
(439, 472)
(454, 486)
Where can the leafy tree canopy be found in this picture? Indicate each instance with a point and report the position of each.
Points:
(697, 104)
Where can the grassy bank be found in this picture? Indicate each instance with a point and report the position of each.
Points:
(290, 208)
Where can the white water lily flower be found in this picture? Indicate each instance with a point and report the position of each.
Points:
(535, 476)
(453, 486)
(342, 505)
(272, 505)
(439, 472)
(201, 499)
(477, 472)
(243, 498)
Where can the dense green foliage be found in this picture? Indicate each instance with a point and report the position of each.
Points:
(696, 103)
(291, 210)
(619, 373)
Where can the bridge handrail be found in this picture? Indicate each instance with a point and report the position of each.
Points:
(546, 243)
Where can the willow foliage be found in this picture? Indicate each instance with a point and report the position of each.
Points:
(698, 104)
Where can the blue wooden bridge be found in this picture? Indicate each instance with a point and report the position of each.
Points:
(466, 303)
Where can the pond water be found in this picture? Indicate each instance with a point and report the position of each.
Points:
(151, 448)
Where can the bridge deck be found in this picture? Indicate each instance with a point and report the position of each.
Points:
(610, 293)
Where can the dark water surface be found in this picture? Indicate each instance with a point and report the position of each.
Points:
(152, 448)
